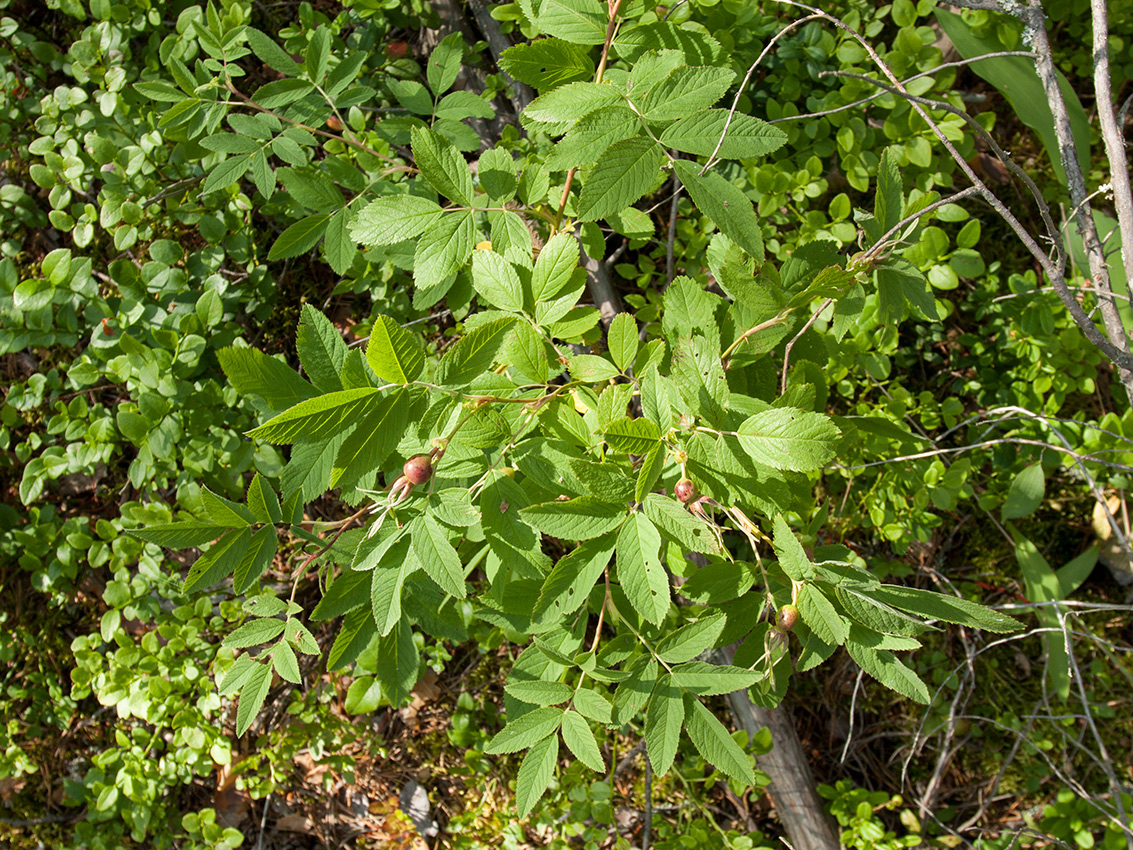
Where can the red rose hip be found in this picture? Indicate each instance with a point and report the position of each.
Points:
(685, 491)
(418, 469)
(786, 618)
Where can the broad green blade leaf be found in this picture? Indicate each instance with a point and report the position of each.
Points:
(632, 436)
(640, 571)
(746, 137)
(720, 581)
(366, 448)
(252, 372)
(579, 738)
(386, 583)
(442, 165)
(346, 594)
(557, 111)
(496, 281)
(1074, 572)
(444, 63)
(496, 170)
(438, 556)
(555, 267)
(576, 21)
(219, 561)
(352, 640)
(567, 586)
(697, 677)
(237, 675)
(689, 641)
(321, 350)
(538, 692)
(309, 470)
(950, 609)
(819, 614)
(622, 340)
(625, 172)
(547, 63)
(713, 742)
(397, 663)
(652, 465)
(634, 690)
(591, 369)
(262, 501)
(592, 704)
(863, 607)
(789, 438)
(317, 418)
(256, 561)
(252, 696)
(444, 248)
(535, 774)
(181, 535)
(698, 47)
(686, 90)
(255, 632)
(725, 204)
(523, 732)
(592, 135)
(299, 238)
(393, 219)
(663, 719)
(226, 173)
(224, 511)
(901, 284)
(270, 53)
(676, 523)
(1025, 494)
(884, 666)
(474, 354)
(792, 557)
(393, 353)
(575, 519)
(889, 201)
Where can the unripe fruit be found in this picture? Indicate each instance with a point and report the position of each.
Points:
(418, 469)
(685, 491)
(786, 618)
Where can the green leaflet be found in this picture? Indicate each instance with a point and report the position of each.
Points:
(579, 739)
(592, 135)
(686, 90)
(317, 418)
(690, 640)
(393, 353)
(181, 535)
(219, 561)
(366, 448)
(632, 436)
(547, 63)
(474, 354)
(713, 742)
(523, 732)
(680, 526)
(639, 568)
(438, 556)
(884, 666)
(397, 663)
(700, 133)
(257, 560)
(554, 268)
(820, 616)
(576, 21)
(950, 609)
(254, 373)
(623, 340)
(663, 719)
(698, 677)
(726, 205)
(299, 238)
(496, 281)
(321, 349)
(557, 111)
(444, 248)
(355, 636)
(393, 219)
(789, 438)
(442, 165)
(566, 587)
(535, 774)
(576, 519)
(625, 172)
(539, 692)
(252, 696)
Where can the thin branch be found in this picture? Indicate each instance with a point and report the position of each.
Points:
(747, 78)
(909, 219)
(958, 63)
(787, 352)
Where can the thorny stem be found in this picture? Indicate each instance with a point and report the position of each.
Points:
(749, 333)
(302, 570)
